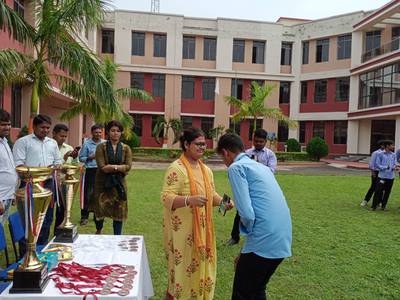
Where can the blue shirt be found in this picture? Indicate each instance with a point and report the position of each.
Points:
(386, 162)
(264, 214)
(89, 148)
(372, 163)
(264, 156)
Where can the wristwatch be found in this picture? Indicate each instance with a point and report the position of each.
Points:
(116, 168)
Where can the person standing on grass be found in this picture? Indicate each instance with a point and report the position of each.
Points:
(264, 220)
(374, 174)
(38, 150)
(88, 157)
(114, 161)
(8, 175)
(260, 153)
(386, 164)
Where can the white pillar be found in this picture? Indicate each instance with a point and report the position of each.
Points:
(352, 137)
(397, 133)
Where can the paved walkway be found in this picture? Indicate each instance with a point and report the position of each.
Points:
(347, 164)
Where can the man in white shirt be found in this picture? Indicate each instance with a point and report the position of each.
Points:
(68, 155)
(38, 150)
(8, 175)
(260, 153)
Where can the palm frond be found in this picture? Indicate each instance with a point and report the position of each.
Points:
(13, 66)
(233, 101)
(134, 93)
(16, 26)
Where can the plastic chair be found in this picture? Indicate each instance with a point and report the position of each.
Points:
(3, 247)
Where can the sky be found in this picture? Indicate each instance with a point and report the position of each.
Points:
(263, 10)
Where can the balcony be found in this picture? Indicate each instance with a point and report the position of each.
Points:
(392, 46)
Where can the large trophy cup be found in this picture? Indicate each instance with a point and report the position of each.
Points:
(68, 232)
(31, 276)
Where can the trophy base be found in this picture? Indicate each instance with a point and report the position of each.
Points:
(34, 282)
(66, 235)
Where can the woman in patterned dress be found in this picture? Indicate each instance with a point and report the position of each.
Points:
(188, 197)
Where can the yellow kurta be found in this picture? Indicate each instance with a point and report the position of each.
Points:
(191, 271)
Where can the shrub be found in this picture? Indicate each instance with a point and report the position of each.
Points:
(292, 145)
(23, 132)
(133, 141)
(292, 156)
(163, 152)
(317, 148)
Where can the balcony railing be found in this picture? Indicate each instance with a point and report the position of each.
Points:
(384, 49)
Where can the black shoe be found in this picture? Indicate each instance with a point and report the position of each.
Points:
(231, 242)
(372, 209)
(84, 222)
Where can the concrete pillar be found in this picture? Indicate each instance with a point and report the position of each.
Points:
(397, 133)
(221, 110)
(272, 56)
(173, 86)
(352, 136)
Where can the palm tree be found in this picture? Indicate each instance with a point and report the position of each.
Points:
(102, 109)
(52, 43)
(163, 126)
(255, 106)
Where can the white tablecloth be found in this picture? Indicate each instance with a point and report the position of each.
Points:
(98, 250)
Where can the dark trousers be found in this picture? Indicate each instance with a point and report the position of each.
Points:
(48, 219)
(59, 208)
(252, 275)
(117, 226)
(382, 192)
(372, 188)
(235, 233)
(90, 175)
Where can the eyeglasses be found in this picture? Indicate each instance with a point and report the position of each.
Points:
(200, 144)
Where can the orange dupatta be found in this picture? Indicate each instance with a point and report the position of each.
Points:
(196, 212)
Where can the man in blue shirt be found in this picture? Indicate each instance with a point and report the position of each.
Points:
(386, 164)
(264, 219)
(374, 174)
(88, 157)
(260, 153)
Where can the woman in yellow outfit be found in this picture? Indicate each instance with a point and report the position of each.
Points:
(188, 197)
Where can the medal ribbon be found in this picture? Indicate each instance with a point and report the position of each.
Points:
(82, 188)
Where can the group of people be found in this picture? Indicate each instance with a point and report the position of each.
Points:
(106, 163)
(383, 164)
(189, 196)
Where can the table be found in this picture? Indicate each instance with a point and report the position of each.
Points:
(99, 250)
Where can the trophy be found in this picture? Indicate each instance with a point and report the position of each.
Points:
(68, 232)
(31, 276)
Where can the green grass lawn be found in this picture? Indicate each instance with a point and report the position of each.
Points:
(340, 251)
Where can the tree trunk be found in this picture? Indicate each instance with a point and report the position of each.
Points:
(34, 104)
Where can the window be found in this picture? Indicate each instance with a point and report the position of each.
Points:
(138, 41)
(189, 47)
(137, 124)
(160, 45)
(320, 91)
(302, 132)
(158, 85)
(303, 92)
(258, 52)
(208, 88)
(107, 41)
(319, 129)
(395, 38)
(187, 87)
(206, 125)
(16, 100)
(259, 123)
(186, 122)
(137, 80)
(340, 132)
(286, 54)
(19, 7)
(342, 89)
(210, 48)
(234, 126)
(283, 132)
(322, 50)
(305, 53)
(237, 88)
(238, 51)
(154, 119)
(372, 40)
(344, 46)
(284, 92)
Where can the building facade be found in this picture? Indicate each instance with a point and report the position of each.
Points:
(336, 76)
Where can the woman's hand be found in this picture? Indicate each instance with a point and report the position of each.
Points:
(108, 168)
(229, 205)
(196, 201)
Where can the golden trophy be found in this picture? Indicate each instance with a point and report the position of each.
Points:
(67, 232)
(31, 276)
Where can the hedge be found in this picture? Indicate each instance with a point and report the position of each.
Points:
(175, 153)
